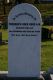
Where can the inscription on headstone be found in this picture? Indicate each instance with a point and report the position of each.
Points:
(24, 27)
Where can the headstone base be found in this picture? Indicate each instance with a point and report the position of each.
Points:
(19, 78)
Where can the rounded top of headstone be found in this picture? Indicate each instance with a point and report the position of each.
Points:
(27, 9)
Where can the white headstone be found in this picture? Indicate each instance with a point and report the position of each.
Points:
(24, 27)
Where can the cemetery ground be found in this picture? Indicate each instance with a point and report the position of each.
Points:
(46, 53)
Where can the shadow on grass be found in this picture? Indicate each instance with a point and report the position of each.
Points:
(46, 43)
(47, 40)
(4, 42)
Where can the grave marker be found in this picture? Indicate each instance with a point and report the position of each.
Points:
(24, 28)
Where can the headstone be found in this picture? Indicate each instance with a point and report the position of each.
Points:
(24, 28)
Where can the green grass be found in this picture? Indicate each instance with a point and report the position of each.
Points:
(48, 27)
(47, 13)
(4, 35)
(3, 57)
(45, 9)
(4, 52)
(46, 54)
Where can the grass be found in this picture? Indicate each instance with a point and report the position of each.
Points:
(45, 9)
(48, 27)
(46, 54)
(4, 34)
(4, 52)
(3, 57)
